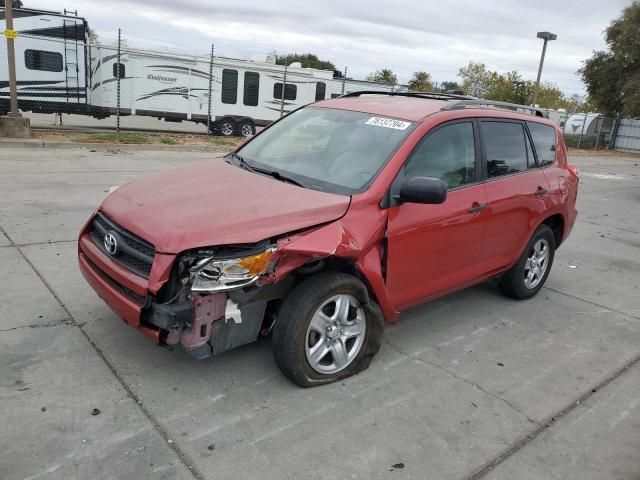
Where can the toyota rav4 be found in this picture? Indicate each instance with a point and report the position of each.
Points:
(331, 222)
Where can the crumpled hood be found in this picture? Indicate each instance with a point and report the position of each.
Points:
(213, 203)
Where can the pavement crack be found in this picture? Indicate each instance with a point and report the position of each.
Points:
(63, 323)
(182, 456)
(458, 377)
(560, 292)
(548, 422)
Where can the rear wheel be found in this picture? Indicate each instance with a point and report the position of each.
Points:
(327, 329)
(246, 128)
(528, 275)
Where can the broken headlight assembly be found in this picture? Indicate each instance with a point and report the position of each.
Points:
(212, 274)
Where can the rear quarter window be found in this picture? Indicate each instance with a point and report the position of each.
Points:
(544, 141)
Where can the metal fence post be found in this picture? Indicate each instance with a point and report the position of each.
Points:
(284, 84)
(344, 79)
(599, 132)
(118, 71)
(582, 131)
(210, 90)
(614, 133)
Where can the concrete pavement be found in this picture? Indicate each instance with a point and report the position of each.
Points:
(470, 386)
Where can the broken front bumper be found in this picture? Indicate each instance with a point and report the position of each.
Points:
(204, 325)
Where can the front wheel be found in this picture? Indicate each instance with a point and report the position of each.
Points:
(227, 127)
(528, 275)
(327, 329)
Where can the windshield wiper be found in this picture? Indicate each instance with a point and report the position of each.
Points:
(271, 173)
(243, 163)
(279, 176)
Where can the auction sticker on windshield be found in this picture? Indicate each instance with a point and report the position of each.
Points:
(388, 123)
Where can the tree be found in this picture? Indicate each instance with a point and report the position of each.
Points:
(612, 76)
(476, 79)
(510, 87)
(308, 60)
(448, 86)
(384, 75)
(421, 82)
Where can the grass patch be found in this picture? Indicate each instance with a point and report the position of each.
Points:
(223, 142)
(169, 141)
(118, 138)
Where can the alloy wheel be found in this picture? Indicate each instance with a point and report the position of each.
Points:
(335, 334)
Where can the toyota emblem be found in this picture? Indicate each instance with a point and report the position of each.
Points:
(110, 243)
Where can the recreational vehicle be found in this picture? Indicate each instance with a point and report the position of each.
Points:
(58, 71)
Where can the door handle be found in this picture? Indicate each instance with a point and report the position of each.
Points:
(476, 207)
(540, 192)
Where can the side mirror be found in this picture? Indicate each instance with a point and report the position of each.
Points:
(423, 190)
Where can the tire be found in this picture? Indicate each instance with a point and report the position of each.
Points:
(246, 128)
(519, 282)
(227, 127)
(293, 331)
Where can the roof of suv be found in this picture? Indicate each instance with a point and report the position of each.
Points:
(410, 107)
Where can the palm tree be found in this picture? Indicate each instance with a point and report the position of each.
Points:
(421, 82)
(384, 75)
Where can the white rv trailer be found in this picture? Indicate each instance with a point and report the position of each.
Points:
(51, 62)
(158, 84)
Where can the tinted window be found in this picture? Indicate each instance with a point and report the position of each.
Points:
(118, 69)
(251, 88)
(447, 154)
(43, 60)
(321, 90)
(544, 140)
(290, 91)
(505, 146)
(229, 86)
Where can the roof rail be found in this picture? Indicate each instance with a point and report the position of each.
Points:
(425, 95)
(478, 102)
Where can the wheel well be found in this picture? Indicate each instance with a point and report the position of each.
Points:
(556, 223)
(334, 264)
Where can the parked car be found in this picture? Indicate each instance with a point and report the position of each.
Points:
(332, 221)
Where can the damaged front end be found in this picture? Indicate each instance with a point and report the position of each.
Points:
(213, 301)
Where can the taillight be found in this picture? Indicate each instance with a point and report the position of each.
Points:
(573, 169)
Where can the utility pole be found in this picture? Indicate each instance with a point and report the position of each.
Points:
(11, 57)
(546, 36)
(13, 124)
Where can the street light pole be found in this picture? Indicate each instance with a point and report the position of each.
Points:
(546, 36)
(11, 57)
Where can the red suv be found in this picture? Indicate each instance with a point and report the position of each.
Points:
(331, 222)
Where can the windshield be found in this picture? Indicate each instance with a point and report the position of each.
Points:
(337, 151)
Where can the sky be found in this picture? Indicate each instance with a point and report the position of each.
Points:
(438, 37)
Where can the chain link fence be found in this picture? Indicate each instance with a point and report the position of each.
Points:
(94, 85)
(61, 73)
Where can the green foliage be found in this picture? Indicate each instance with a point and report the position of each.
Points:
(612, 76)
(308, 60)
(384, 75)
(119, 138)
(421, 82)
(480, 82)
(447, 86)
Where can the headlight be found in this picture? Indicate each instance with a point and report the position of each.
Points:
(214, 275)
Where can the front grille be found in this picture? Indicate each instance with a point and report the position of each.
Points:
(133, 253)
(127, 292)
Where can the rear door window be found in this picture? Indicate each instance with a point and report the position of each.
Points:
(544, 140)
(505, 148)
